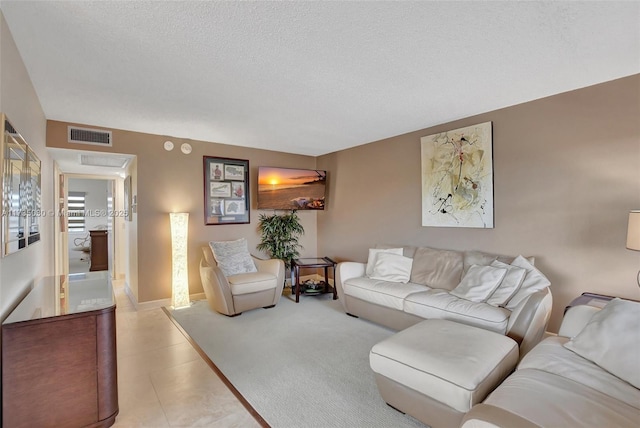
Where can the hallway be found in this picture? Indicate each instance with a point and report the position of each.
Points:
(162, 380)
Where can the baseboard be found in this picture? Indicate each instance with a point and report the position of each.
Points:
(144, 306)
(154, 304)
(197, 296)
(130, 295)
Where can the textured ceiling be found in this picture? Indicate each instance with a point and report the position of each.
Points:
(311, 77)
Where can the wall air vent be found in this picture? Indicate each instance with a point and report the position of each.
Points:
(89, 136)
(104, 160)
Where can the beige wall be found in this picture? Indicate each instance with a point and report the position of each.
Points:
(19, 102)
(173, 182)
(566, 173)
(131, 235)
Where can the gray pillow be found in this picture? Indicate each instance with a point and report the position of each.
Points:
(437, 268)
(233, 257)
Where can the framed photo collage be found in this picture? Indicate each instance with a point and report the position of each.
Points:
(226, 191)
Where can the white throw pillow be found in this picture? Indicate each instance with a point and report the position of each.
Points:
(611, 339)
(233, 257)
(509, 285)
(392, 267)
(373, 253)
(534, 281)
(479, 282)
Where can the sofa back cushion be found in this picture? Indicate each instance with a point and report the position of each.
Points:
(437, 268)
(407, 250)
(481, 258)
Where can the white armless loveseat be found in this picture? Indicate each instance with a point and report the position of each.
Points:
(401, 286)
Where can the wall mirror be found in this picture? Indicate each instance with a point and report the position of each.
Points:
(21, 191)
(34, 197)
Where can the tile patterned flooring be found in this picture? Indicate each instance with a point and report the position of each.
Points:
(162, 380)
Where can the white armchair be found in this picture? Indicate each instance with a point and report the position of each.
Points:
(237, 293)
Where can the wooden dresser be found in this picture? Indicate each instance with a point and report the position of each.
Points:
(59, 355)
(99, 250)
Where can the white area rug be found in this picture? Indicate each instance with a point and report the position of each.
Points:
(298, 365)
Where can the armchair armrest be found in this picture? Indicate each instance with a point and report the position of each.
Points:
(274, 267)
(216, 288)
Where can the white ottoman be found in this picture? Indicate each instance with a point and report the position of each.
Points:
(437, 370)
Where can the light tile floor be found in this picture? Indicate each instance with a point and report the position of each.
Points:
(162, 380)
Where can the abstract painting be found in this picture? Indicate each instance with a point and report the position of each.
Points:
(457, 178)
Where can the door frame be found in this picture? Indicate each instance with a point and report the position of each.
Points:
(114, 223)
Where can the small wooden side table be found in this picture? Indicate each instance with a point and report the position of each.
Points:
(314, 262)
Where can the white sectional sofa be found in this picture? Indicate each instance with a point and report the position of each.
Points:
(384, 291)
(587, 376)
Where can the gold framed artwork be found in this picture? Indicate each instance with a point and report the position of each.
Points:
(457, 178)
(226, 190)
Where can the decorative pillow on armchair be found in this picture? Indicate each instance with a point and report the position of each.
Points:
(233, 257)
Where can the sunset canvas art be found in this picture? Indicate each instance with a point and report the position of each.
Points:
(291, 188)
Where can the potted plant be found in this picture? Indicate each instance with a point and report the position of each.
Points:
(279, 236)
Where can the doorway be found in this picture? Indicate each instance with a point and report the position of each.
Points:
(96, 182)
(89, 208)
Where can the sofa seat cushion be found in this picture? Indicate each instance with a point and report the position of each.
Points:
(549, 400)
(455, 364)
(552, 357)
(245, 283)
(439, 304)
(383, 293)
